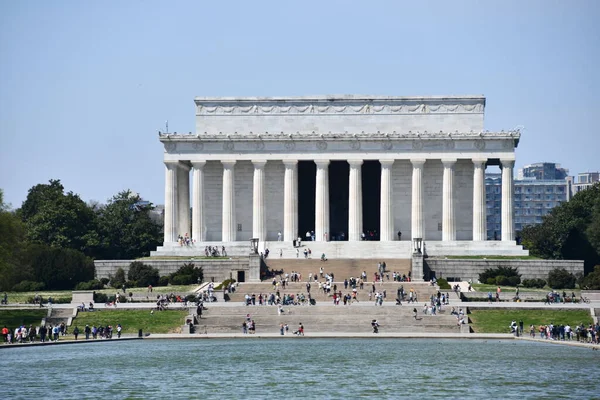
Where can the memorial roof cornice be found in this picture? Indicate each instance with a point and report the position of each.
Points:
(341, 98)
(410, 135)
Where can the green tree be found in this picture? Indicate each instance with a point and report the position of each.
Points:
(187, 275)
(142, 274)
(12, 244)
(560, 278)
(592, 281)
(58, 219)
(570, 232)
(118, 280)
(57, 268)
(126, 228)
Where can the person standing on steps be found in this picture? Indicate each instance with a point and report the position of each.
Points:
(279, 236)
(375, 326)
(414, 313)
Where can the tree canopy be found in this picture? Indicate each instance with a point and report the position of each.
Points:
(52, 239)
(570, 232)
(126, 229)
(58, 219)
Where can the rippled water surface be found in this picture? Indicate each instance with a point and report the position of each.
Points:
(301, 368)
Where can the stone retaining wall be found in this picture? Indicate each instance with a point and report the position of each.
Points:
(216, 270)
(466, 269)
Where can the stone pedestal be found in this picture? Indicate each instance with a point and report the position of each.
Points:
(254, 268)
(417, 267)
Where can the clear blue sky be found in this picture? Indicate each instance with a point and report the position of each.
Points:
(84, 86)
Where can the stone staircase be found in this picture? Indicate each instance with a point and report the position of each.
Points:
(326, 318)
(58, 315)
(341, 268)
(423, 291)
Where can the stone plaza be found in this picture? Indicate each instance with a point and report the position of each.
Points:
(348, 168)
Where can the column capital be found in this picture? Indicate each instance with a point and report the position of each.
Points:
(198, 164)
(228, 163)
(184, 166)
(507, 163)
(355, 163)
(386, 163)
(172, 165)
(449, 162)
(290, 163)
(418, 162)
(322, 163)
(259, 163)
(479, 161)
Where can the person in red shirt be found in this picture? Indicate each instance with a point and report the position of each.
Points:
(5, 333)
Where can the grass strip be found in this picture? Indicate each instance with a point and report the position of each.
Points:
(498, 321)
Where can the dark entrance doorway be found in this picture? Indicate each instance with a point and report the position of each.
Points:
(339, 175)
(307, 175)
(241, 276)
(371, 188)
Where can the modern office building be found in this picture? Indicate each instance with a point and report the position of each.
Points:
(533, 198)
(542, 171)
(582, 181)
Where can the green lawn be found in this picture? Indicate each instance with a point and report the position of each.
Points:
(498, 321)
(491, 257)
(22, 297)
(14, 318)
(132, 320)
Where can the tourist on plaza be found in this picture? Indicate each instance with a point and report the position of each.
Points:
(76, 332)
(375, 326)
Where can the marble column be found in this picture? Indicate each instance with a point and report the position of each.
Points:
(183, 190)
(198, 234)
(479, 209)
(508, 227)
(229, 225)
(171, 203)
(290, 200)
(448, 217)
(386, 221)
(322, 201)
(417, 230)
(259, 226)
(355, 212)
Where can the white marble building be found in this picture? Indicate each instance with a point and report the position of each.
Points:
(264, 166)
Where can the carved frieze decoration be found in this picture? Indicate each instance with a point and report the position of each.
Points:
(289, 145)
(355, 145)
(198, 146)
(322, 145)
(351, 108)
(480, 144)
(388, 145)
(449, 145)
(170, 146)
(417, 145)
(228, 145)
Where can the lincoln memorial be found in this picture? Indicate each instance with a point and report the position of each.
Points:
(367, 174)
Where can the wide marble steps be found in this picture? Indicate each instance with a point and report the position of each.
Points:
(326, 318)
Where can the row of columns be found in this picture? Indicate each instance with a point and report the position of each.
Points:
(177, 194)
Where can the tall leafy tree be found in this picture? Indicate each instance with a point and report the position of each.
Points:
(12, 244)
(58, 219)
(571, 231)
(126, 228)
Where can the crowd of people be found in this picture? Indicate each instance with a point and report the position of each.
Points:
(52, 333)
